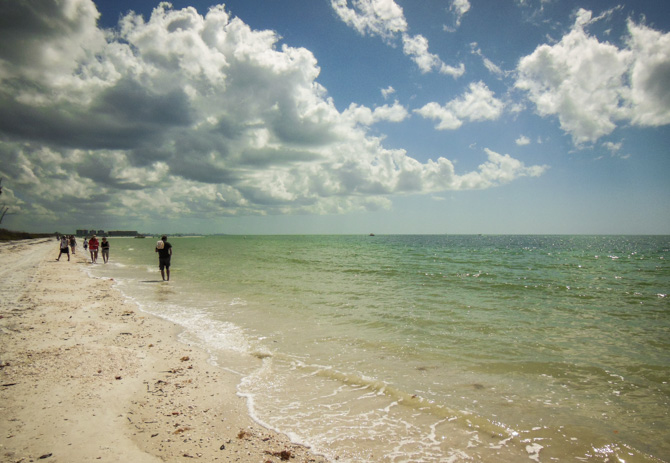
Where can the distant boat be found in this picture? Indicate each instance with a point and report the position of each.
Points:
(372, 234)
(140, 236)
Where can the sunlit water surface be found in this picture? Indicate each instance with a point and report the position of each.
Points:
(430, 348)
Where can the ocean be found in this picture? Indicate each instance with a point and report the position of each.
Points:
(430, 348)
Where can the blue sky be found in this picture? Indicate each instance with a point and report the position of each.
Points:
(336, 116)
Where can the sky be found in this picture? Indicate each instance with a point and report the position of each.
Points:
(336, 116)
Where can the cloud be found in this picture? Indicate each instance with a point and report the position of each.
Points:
(386, 92)
(613, 147)
(523, 140)
(478, 104)
(191, 116)
(498, 170)
(615, 150)
(649, 76)
(416, 47)
(488, 64)
(46, 46)
(459, 8)
(533, 10)
(593, 86)
(385, 19)
(365, 116)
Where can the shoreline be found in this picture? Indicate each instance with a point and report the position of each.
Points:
(86, 376)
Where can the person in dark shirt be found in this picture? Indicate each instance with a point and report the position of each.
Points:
(104, 247)
(164, 251)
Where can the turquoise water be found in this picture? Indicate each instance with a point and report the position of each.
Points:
(430, 348)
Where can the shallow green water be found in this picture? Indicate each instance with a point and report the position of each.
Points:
(431, 348)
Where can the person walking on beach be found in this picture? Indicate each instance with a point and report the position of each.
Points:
(164, 250)
(104, 247)
(64, 247)
(73, 243)
(85, 244)
(93, 247)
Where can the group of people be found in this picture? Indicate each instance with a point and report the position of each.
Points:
(163, 248)
(92, 245)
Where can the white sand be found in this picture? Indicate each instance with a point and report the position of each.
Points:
(85, 376)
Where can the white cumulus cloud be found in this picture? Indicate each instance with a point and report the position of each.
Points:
(366, 116)
(383, 18)
(189, 116)
(523, 140)
(593, 86)
(386, 19)
(388, 91)
(459, 8)
(649, 76)
(478, 104)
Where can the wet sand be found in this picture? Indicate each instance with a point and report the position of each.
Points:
(86, 376)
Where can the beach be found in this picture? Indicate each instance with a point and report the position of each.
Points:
(390, 349)
(86, 376)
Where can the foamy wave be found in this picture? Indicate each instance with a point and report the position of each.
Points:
(213, 334)
(338, 409)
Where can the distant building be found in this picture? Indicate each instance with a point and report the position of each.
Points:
(84, 232)
(122, 233)
(99, 233)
